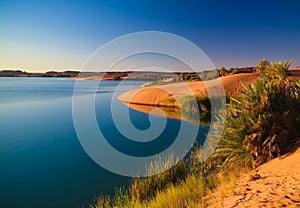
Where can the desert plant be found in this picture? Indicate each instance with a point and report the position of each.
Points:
(223, 72)
(262, 118)
(235, 70)
(262, 64)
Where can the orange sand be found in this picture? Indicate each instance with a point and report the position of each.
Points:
(157, 95)
(277, 184)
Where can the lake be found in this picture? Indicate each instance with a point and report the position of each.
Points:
(42, 163)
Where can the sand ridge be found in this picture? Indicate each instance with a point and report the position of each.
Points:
(157, 95)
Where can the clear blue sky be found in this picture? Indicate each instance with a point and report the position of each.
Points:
(42, 35)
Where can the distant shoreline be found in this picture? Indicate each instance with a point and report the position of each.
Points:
(97, 78)
(119, 75)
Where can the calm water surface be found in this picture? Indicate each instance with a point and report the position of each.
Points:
(42, 163)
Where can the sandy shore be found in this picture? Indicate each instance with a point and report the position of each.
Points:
(273, 184)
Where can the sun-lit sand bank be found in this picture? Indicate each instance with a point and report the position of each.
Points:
(147, 99)
(157, 95)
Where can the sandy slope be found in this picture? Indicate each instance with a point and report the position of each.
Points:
(158, 94)
(274, 184)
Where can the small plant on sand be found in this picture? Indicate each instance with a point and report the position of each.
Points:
(223, 72)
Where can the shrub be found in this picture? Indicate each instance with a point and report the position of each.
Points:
(223, 72)
(263, 118)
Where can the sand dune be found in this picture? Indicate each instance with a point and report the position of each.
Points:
(158, 94)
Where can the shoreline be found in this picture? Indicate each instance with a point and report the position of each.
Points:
(97, 78)
(157, 111)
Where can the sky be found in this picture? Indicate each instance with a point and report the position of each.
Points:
(59, 35)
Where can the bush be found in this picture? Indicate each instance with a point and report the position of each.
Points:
(223, 72)
(195, 107)
(263, 118)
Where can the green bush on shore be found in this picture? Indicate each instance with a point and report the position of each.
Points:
(263, 118)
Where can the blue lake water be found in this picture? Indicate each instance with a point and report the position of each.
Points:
(42, 163)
